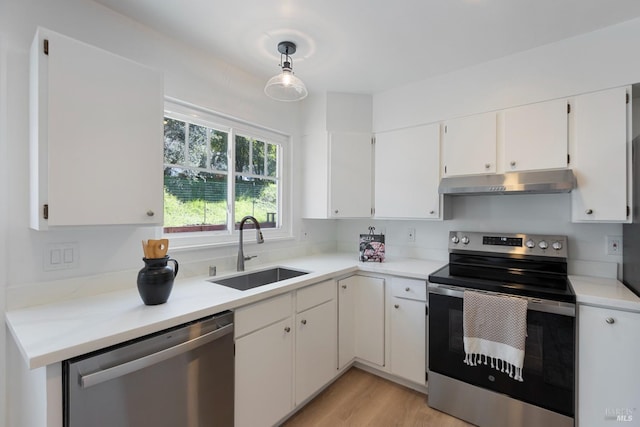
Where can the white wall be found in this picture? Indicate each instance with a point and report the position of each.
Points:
(597, 60)
(3, 218)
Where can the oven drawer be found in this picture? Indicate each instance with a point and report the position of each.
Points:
(409, 288)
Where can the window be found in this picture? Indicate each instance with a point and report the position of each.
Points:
(217, 171)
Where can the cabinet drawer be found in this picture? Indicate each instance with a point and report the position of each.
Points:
(255, 316)
(409, 288)
(315, 295)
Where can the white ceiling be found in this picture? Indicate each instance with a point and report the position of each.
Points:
(368, 46)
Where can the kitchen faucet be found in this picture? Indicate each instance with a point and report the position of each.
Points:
(259, 239)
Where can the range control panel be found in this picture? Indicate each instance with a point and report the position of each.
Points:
(525, 244)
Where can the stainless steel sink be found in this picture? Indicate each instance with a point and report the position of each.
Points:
(258, 278)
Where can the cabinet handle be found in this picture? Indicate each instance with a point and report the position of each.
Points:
(150, 213)
(610, 320)
(303, 321)
(287, 329)
(397, 305)
(344, 286)
(432, 212)
(513, 164)
(336, 211)
(589, 211)
(487, 165)
(407, 289)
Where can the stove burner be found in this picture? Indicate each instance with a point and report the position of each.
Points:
(520, 264)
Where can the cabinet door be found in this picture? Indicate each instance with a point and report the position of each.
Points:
(407, 173)
(536, 136)
(599, 160)
(264, 375)
(97, 149)
(469, 145)
(369, 320)
(350, 175)
(408, 318)
(608, 364)
(346, 320)
(316, 349)
(361, 320)
(315, 180)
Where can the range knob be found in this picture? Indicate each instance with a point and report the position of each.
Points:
(455, 240)
(465, 240)
(530, 244)
(556, 245)
(543, 244)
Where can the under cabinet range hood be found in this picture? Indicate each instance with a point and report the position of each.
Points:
(537, 182)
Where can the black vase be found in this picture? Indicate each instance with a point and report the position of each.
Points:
(155, 280)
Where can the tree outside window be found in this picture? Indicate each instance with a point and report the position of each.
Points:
(198, 182)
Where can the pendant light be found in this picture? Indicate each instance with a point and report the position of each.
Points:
(286, 86)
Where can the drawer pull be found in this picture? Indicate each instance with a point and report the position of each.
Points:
(610, 320)
(397, 306)
(303, 321)
(287, 329)
(407, 289)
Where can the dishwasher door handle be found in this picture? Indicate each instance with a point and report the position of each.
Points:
(98, 377)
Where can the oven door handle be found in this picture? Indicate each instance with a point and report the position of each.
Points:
(536, 304)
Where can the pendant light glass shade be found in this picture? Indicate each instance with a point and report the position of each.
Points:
(286, 86)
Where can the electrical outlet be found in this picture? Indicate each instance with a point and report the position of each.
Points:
(411, 234)
(614, 245)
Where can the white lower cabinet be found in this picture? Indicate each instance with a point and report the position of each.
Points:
(608, 383)
(316, 347)
(264, 361)
(407, 330)
(264, 375)
(283, 358)
(361, 319)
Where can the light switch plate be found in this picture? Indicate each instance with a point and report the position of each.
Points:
(60, 256)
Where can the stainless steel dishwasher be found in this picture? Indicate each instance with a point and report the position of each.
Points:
(183, 376)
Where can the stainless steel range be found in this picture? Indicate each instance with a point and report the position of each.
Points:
(532, 267)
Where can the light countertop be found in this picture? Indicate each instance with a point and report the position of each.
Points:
(609, 293)
(50, 333)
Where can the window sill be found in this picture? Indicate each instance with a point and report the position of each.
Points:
(189, 243)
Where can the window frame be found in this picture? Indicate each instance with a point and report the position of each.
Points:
(180, 110)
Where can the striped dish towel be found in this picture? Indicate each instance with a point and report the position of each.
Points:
(495, 328)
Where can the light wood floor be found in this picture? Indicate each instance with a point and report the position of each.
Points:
(359, 398)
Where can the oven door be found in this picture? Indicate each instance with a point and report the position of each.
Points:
(549, 352)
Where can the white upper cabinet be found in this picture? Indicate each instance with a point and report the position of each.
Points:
(350, 175)
(96, 136)
(407, 173)
(599, 157)
(469, 145)
(536, 136)
(337, 162)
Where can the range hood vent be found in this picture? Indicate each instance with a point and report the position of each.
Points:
(536, 182)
